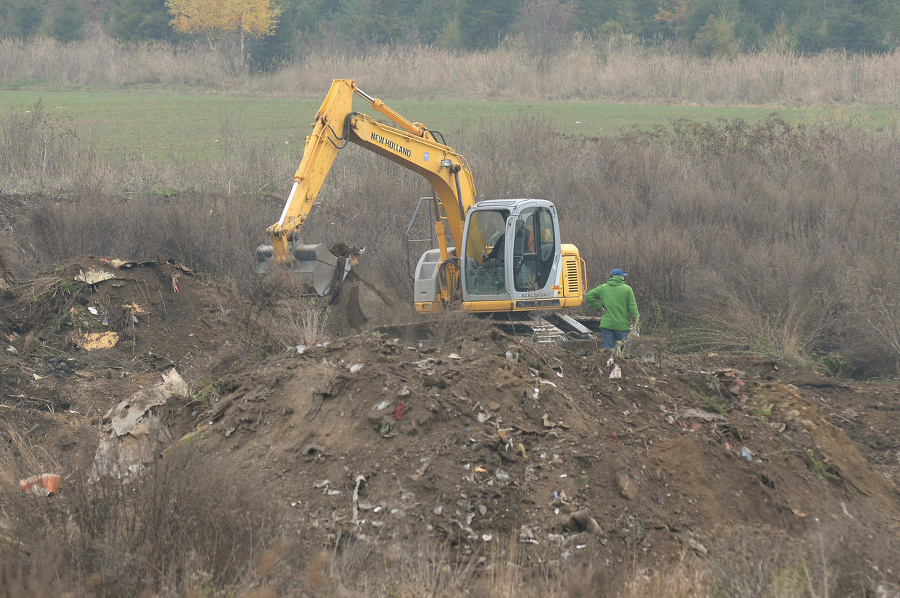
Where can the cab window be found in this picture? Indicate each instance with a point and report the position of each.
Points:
(533, 250)
(485, 252)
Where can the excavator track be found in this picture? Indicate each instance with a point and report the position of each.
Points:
(538, 328)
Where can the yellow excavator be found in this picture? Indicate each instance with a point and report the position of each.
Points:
(507, 254)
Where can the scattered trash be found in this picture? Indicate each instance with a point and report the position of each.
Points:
(512, 356)
(520, 448)
(548, 423)
(581, 521)
(438, 510)
(526, 535)
(559, 499)
(454, 356)
(706, 416)
(381, 406)
(355, 367)
(616, 372)
(132, 432)
(483, 416)
(480, 470)
(44, 484)
(421, 471)
(93, 310)
(745, 452)
(91, 341)
(13, 350)
(844, 509)
(398, 412)
(487, 537)
(628, 487)
(360, 480)
(501, 475)
(93, 277)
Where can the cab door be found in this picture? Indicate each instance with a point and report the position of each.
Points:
(534, 256)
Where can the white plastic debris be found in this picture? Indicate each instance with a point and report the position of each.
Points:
(616, 372)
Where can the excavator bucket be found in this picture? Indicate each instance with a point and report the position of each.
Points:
(319, 270)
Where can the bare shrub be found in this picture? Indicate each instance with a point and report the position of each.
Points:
(177, 529)
(738, 233)
(36, 146)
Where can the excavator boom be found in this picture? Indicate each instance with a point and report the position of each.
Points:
(408, 144)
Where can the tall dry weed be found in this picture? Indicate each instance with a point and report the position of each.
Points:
(612, 69)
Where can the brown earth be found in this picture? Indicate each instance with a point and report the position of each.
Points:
(474, 442)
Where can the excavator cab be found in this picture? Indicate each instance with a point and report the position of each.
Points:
(523, 264)
(512, 260)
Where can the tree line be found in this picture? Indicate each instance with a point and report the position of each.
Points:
(541, 27)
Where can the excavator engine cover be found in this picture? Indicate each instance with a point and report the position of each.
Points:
(317, 267)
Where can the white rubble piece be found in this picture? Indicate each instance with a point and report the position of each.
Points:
(132, 434)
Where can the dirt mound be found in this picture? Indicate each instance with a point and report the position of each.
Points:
(491, 437)
(372, 445)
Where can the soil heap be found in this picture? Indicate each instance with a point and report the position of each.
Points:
(377, 446)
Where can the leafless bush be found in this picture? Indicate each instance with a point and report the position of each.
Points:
(739, 233)
(178, 529)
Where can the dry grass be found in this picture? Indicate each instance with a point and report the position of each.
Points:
(615, 70)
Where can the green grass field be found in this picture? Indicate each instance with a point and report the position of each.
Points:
(181, 127)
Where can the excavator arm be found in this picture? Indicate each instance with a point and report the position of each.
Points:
(409, 144)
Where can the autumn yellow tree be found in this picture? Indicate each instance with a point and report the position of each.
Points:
(240, 17)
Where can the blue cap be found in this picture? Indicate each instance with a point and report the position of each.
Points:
(617, 272)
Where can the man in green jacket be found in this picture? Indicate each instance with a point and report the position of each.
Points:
(618, 309)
